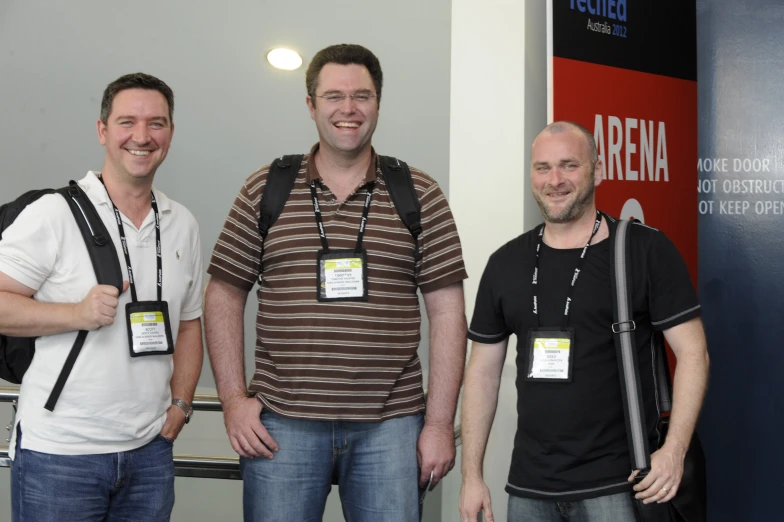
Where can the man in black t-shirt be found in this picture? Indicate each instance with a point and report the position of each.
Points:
(551, 287)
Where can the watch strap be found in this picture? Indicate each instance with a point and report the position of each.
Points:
(185, 407)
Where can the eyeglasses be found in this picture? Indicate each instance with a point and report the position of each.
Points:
(359, 97)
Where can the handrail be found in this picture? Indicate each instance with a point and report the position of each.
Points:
(8, 394)
(204, 402)
(184, 465)
(201, 402)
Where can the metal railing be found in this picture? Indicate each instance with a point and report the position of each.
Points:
(199, 466)
(184, 465)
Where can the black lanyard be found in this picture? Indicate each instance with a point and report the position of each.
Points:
(580, 263)
(320, 223)
(124, 242)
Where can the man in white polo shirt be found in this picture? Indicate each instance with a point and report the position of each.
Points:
(105, 452)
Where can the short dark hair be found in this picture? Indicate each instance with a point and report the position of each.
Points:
(343, 54)
(135, 81)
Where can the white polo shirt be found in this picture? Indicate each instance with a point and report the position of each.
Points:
(111, 402)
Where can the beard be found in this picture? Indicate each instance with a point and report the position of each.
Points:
(572, 211)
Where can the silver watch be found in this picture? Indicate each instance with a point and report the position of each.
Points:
(185, 407)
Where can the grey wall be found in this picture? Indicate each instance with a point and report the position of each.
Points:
(233, 114)
(535, 92)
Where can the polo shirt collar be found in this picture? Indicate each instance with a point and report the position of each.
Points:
(312, 172)
(93, 187)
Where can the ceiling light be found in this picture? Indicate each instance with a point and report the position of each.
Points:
(285, 59)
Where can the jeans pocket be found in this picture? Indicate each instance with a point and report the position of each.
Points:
(166, 439)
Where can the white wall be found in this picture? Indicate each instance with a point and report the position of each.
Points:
(498, 106)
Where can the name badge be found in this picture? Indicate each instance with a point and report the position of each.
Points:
(550, 354)
(342, 276)
(149, 329)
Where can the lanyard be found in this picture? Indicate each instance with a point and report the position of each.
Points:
(580, 263)
(320, 223)
(124, 242)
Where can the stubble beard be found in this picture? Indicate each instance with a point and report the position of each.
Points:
(572, 212)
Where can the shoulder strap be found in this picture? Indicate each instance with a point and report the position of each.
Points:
(100, 246)
(280, 180)
(400, 185)
(623, 336)
(105, 262)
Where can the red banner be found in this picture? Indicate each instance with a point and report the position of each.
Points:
(646, 132)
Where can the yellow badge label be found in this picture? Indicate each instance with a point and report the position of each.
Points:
(552, 344)
(146, 317)
(337, 264)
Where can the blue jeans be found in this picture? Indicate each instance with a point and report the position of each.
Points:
(373, 463)
(130, 486)
(610, 508)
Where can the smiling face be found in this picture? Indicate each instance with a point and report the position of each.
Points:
(344, 127)
(137, 135)
(563, 176)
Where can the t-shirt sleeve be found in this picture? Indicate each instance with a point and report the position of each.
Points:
(193, 303)
(28, 250)
(672, 299)
(488, 325)
(442, 255)
(236, 258)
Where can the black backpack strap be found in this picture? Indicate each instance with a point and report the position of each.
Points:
(51, 402)
(99, 243)
(105, 263)
(400, 185)
(623, 336)
(280, 180)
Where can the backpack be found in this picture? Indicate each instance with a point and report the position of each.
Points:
(397, 178)
(16, 353)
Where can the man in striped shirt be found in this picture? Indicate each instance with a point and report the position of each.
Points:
(336, 396)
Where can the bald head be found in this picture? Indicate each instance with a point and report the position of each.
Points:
(559, 127)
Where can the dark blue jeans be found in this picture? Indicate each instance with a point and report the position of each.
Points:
(609, 508)
(131, 486)
(373, 463)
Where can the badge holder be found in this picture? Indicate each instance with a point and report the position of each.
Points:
(550, 354)
(149, 328)
(342, 276)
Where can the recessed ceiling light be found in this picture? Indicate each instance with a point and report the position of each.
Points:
(285, 59)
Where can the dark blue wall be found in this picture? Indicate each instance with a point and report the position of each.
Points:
(741, 257)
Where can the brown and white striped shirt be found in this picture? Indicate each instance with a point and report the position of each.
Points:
(353, 361)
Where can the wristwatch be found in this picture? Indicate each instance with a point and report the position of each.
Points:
(184, 406)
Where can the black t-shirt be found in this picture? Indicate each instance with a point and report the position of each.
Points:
(571, 439)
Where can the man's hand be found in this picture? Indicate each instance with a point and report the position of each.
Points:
(175, 420)
(665, 476)
(475, 497)
(435, 452)
(247, 434)
(98, 308)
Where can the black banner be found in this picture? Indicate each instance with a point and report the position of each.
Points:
(652, 36)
